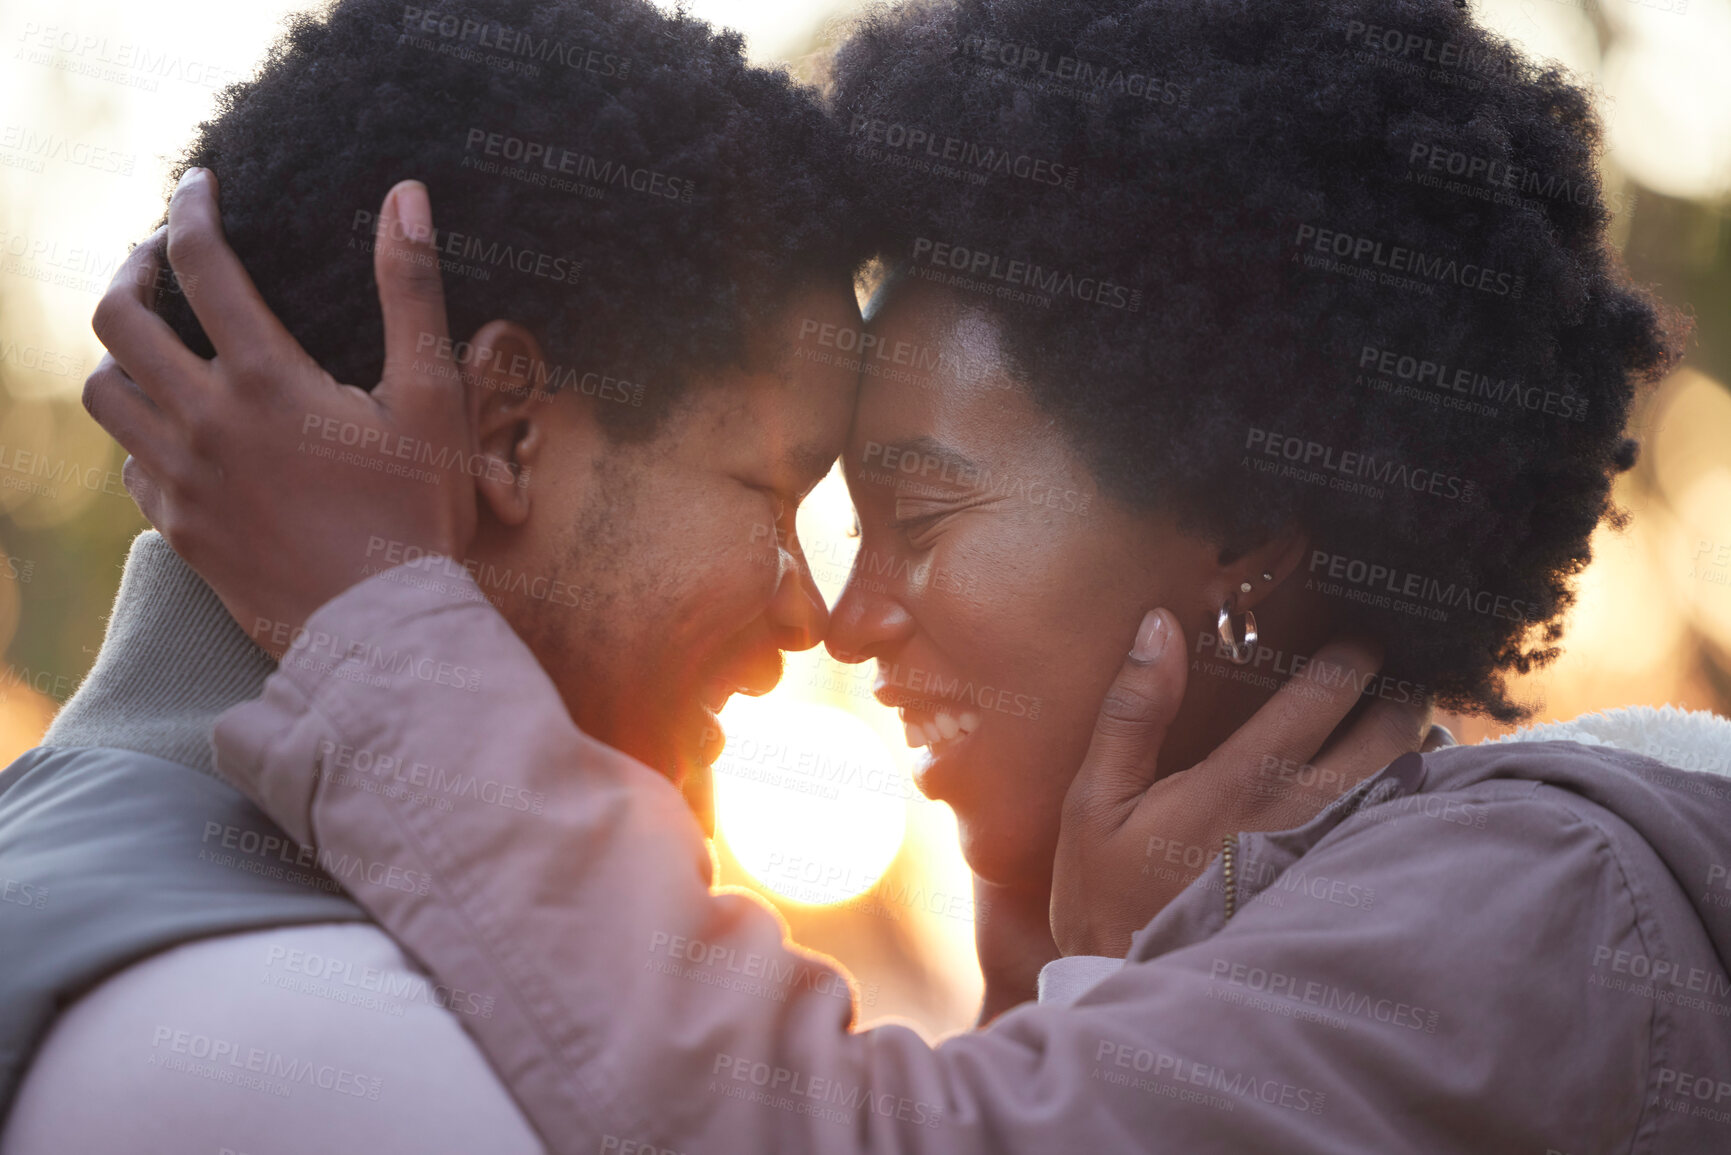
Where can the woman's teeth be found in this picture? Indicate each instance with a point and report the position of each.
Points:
(944, 726)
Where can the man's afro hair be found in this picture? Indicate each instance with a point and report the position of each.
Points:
(616, 178)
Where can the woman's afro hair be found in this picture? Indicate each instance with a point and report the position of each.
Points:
(1339, 264)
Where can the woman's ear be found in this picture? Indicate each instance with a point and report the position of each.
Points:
(506, 378)
(1252, 576)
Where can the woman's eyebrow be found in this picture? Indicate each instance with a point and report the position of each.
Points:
(923, 456)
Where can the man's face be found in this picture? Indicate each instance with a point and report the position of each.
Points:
(679, 551)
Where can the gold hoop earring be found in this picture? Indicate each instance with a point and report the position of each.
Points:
(1239, 651)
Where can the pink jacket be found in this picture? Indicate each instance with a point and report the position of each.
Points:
(1505, 948)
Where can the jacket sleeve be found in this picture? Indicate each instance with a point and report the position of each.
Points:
(414, 739)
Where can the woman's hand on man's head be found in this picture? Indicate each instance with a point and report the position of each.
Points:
(275, 482)
(1131, 842)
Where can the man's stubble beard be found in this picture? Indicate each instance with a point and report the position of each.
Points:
(606, 657)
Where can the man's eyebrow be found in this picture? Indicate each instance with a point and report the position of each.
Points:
(808, 460)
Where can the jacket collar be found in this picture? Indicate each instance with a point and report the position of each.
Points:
(171, 662)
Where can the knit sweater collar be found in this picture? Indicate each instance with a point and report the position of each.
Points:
(171, 662)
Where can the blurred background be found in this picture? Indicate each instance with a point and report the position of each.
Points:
(861, 866)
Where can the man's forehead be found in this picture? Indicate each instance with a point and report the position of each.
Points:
(777, 423)
(809, 458)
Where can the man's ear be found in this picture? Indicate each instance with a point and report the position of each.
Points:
(1252, 576)
(507, 381)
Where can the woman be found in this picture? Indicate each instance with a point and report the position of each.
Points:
(1499, 949)
(1308, 379)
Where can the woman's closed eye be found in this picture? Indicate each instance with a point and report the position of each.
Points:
(918, 521)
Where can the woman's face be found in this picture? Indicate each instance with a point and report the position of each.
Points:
(996, 586)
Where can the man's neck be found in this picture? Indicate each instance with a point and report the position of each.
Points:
(172, 661)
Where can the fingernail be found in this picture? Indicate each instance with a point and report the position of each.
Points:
(189, 176)
(414, 210)
(1150, 639)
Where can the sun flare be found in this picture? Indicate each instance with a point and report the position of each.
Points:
(812, 802)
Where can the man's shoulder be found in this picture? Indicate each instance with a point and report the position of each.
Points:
(317, 1037)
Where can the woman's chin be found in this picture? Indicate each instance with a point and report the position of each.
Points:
(1000, 855)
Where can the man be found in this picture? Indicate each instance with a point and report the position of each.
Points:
(637, 228)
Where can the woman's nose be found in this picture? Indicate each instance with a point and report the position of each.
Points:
(866, 623)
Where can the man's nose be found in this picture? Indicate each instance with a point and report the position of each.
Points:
(798, 611)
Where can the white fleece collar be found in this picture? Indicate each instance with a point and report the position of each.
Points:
(1686, 739)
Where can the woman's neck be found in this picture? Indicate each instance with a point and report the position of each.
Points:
(1013, 936)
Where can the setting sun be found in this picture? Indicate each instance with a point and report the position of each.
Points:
(811, 801)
